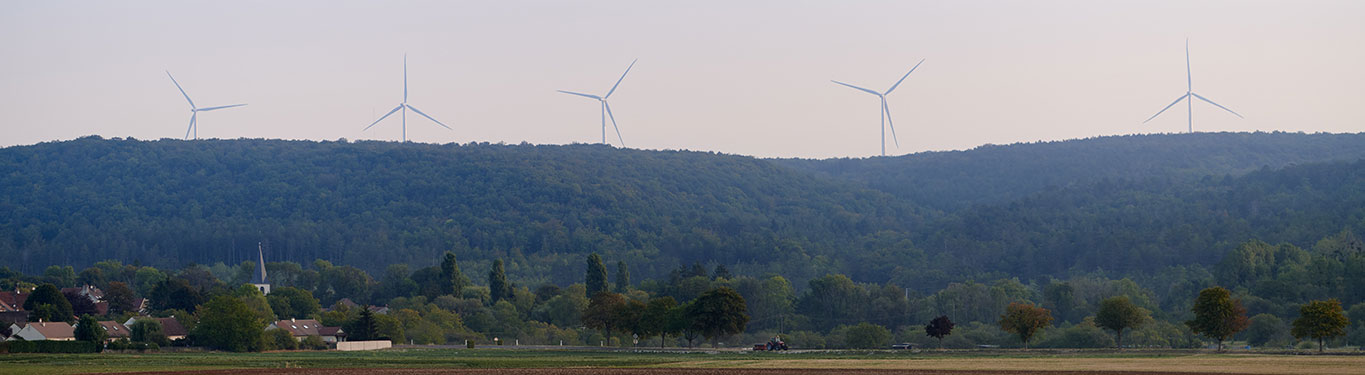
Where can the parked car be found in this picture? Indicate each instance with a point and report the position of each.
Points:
(903, 346)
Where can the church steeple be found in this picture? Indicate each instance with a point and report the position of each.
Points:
(262, 285)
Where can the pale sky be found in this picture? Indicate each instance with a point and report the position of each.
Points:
(741, 77)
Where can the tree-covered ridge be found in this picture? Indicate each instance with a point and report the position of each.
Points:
(370, 204)
(991, 174)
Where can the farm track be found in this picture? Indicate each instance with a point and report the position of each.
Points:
(648, 371)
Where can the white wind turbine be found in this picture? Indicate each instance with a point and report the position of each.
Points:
(885, 110)
(194, 111)
(1189, 91)
(405, 107)
(606, 108)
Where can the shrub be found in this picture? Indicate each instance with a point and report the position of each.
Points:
(867, 336)
(313, 342)
(46, 346)
(280, 339)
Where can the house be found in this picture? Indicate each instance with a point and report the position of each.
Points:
(55, 331)
(13, 317)
(302, 328)
(169, 326)
(114, 330)
(13, 301)
(88, 291)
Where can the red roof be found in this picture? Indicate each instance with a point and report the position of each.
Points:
(13, 301)
(300, 327)
(114, 329)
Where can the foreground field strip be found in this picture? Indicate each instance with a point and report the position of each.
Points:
(1199, 363)
(645, 371)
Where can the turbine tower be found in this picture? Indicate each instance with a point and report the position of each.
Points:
(885, 110)
(405, 107)
(1189, 91)
(194, 111)
(606, 108)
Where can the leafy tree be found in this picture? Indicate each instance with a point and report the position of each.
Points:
(256, 301)
(453, 282)
(80, 305)
(939, 328)
(1217, 315)
(363, 327)
(280, 339)
(290, 302)
(48, 304)
(657, 319)
(120, 298)
(721, 273)
(148, 330)
(1320, 320)
(497, 283)
(313, 342)
(867, 336)
(1025, 320)
(1119, 313)
(1264, 329)
(718, 312)
(61, 276)
(227, 323)
(602, 311)
(174, 294)
(596, 276)
(622, 277)
(89, 329)
(92, 276)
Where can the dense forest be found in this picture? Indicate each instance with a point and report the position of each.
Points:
(816, 249)
(1130, 205)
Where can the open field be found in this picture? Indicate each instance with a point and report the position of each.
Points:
(482, 361)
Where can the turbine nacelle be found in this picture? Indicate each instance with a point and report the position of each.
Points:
(606, 107)
(194, 111)
(885, 110)
(404, 106)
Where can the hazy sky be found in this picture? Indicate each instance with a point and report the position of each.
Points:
(743, 77)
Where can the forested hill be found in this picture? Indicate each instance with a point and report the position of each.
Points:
(370, 204)
(1136, 205)
(954, 180)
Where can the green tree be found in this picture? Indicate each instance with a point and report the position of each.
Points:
(280, 339)
(596, 276)
(89, 329)
(47, 303)
(148, 330)
(290, 302)
(363, 327)
(622, 277)
(1119, 313)
(718, 312)
(452, 281)
(174, 294)
(867, 336)
(1025, 320)
(939, 328)
(602, 311)
(1217, 315)
(227, 323)
(497, 283)
(120, 298)
(1320, 320)
(256, 301)
(1265, 329)
(657, 318)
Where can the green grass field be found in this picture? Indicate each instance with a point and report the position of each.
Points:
(1036, 361)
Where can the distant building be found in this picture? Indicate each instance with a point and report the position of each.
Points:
(13, 301)
(55, 331)
(263, 285)
(302, 328)
(169, 326)
(114, 330)
(89, 291)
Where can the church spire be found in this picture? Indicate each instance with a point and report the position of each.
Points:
(261, 253)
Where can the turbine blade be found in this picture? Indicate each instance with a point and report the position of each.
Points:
(219, 107)
(613, 124)
(887, 109)
(414, 109)
(858, 88)
(1177, 100)
(191, 127)
(405, 78)
(907, 74)
(381, 118)
(1216, 104)
(1189, 77)
(182, 91)
(581, 94)
(618, 81)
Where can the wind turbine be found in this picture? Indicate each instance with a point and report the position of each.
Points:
(1189, 91)
(885, 110)
(405, 107)
(606, 108)
(194, 111)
